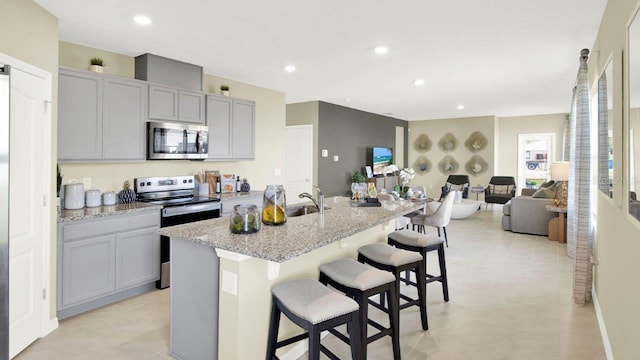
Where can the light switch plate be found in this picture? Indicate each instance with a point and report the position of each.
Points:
(277, 172)
(335, 158)
(325, 152)
(87, 183)
(230, 283)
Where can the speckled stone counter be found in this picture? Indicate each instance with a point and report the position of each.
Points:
(102, 211)
(298, 235)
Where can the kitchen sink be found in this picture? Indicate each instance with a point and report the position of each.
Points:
(293, 211)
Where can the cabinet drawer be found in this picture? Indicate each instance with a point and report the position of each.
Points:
(107, 226)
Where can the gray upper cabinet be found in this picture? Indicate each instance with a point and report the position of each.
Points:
(79, 115)
(173, 104)
(124, 115)
(100, 117)
(231, 125)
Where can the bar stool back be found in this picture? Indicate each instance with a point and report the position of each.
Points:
(315, 308)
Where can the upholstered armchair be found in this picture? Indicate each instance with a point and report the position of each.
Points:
(500, 190)
(458, 183)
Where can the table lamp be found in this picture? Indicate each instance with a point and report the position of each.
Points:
(560, 172)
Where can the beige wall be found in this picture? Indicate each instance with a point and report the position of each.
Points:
(270, 134)
(306, 114)
(462, 128)
(31, 35)
(617, 241)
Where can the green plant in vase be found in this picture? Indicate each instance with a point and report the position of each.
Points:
(358, 187)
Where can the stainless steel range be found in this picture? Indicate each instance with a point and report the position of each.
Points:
(179, 206)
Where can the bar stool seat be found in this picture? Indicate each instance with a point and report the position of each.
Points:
(361, 281)
(394, 260)
(315, 308)
(422, 244)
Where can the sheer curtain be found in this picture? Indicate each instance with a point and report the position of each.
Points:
(579, 227)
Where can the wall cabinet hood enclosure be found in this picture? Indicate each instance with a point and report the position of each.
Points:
(161, 70)
(176, 141)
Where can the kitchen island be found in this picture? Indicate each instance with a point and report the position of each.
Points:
(221, 282)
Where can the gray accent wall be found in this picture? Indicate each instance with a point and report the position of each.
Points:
(350, 134)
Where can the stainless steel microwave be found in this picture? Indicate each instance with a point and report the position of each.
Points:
(176, 141)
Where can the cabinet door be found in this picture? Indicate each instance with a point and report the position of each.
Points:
(242, 131)
(123, 119)
(79, 116)
(163, 103)
(88, 269)
(219, 123)
(191, 106)
(137, 257)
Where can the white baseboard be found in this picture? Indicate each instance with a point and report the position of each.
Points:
(52, 325)
(603, 328)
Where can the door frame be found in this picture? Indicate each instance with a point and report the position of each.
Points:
(48, 323)
(522, 157)
(313, 177)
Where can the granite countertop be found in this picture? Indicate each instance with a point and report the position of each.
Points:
(102, 211)
(299, 235)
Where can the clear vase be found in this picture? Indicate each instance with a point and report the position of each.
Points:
(274, 205)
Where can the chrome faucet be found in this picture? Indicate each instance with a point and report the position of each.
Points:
(318, 203)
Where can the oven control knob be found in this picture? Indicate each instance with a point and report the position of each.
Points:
(190, 181)
(148, 183)
(184, 181)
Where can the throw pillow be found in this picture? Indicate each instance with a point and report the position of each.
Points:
(547, 184)
(502, 189)
(544, 193)
(454, 187)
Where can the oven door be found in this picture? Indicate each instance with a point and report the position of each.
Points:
(176, 141)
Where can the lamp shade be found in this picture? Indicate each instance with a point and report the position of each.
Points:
(560, 171)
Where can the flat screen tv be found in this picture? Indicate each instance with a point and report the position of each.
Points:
(382, 157)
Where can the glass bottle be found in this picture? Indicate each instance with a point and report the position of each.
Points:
(274, 205)
(245, 219)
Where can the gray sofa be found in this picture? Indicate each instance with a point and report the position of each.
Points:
(524, 214)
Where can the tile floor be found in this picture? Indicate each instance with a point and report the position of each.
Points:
(510, 299)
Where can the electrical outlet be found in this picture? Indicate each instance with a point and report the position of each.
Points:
(87, 183)
(325, 153)
(277, 172)
(335, 158)
(229, 283)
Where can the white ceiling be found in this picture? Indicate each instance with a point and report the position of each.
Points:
(497, 57)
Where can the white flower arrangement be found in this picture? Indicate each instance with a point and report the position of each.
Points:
(406, 175)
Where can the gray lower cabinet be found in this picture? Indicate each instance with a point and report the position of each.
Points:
(106, 259)
(100, 117)
(231, 125)
(174, 104)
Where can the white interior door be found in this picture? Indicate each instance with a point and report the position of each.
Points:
(29, 184)
(299, 161)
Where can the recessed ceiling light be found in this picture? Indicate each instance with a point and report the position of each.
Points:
(347, 99)
(460, 107)
(289, 68)
(381, 50)
(418, 82)
(142, 20)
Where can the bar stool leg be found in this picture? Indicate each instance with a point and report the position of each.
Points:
(443, 272)
(362, 320)
(394, 313)
(314, 344)
(273, 330)
(421, 280)
(356, 341)
(445, 235)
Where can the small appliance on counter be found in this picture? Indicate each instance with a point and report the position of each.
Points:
(109, 198)
(74, 196)
(92, 198)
